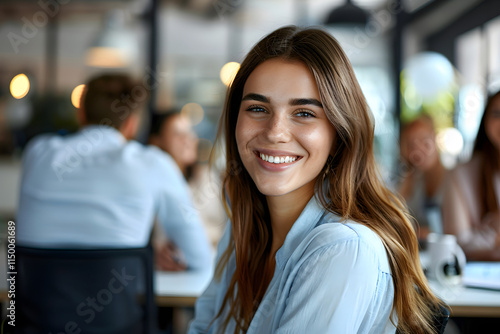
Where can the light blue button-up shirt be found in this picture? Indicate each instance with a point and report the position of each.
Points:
(330, 277)
(95, 189)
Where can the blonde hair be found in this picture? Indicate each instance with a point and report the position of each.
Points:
(348, 185)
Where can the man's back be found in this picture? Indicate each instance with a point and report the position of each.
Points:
(95, 189)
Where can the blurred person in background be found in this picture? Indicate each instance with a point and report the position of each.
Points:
(424, 177)
(173, 132)
(98, 188)
(472, 195)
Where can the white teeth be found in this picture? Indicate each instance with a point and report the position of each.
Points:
(276, 159)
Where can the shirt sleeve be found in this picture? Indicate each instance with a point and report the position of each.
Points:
(181, 221)
(206, 304)
(332, 292)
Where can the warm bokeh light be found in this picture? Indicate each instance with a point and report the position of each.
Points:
(450, 141)
(228, 72)
(106, 57)
(194, 112)
(19, 86)
(76, 95)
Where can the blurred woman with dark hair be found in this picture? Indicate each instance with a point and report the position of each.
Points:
(173, 133)
(472, 196)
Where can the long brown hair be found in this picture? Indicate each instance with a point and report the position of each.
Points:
(353, 191)
(490, 162)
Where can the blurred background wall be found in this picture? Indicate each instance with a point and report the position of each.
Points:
(439, 57)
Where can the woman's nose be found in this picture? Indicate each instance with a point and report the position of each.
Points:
(277, 129)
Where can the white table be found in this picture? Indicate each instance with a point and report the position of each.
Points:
(465, 301)
(469, 302)
(180, 288)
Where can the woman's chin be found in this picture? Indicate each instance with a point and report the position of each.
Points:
(272, 190)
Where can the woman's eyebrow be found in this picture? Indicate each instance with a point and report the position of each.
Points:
(292, 102)
(256, 97)
(305, 101)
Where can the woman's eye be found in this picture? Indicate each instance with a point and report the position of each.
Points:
(256, 109)
(305, 114)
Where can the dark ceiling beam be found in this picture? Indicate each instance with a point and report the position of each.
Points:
(426, 9)
(16, 9)
(437, 15)
(443, 41)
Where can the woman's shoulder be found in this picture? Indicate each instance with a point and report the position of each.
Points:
(348, 237)
(338, 230)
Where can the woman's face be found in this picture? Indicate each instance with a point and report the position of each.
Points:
(492, 125)
(418, 146)
(283, 135)
(179, 140)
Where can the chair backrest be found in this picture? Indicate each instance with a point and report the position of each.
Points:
(441, 319)
(108, 291)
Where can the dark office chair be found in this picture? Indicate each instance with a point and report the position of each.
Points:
(108, 291)
(441, 319)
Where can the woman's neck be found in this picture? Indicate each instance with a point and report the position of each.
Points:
(284, 211)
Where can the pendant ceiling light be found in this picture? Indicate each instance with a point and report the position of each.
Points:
(114, 46)
(348, 13)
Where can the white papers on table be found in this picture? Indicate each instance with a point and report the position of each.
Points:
(482, 275)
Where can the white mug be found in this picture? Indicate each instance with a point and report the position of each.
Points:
(445, 259)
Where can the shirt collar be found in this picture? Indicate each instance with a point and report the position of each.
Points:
(111, 134)
(307, 220)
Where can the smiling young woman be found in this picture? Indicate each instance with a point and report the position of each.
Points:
(316, 243)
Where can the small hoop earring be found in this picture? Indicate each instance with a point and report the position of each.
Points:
(329, 163)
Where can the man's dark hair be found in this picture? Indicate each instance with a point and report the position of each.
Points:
(110, 99)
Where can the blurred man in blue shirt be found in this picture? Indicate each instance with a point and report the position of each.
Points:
(97, 188)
